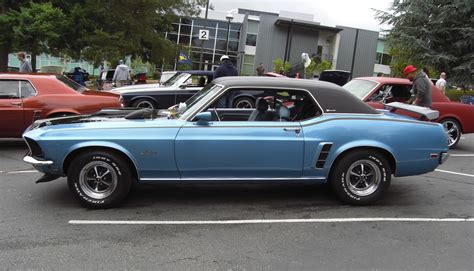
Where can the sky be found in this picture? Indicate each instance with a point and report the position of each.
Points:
(350, 13)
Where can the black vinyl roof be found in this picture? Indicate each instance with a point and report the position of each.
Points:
(331, 97)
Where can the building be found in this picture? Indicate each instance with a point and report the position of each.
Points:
(252, 37)
(382, 58)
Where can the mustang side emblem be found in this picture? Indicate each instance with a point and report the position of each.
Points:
(148, 152)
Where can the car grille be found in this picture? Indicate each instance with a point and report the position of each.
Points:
(35, 149)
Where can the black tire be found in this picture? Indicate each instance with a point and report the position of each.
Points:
(453, 129)
(99, 191)
(373, 178)
(244, 102)
(145, 103)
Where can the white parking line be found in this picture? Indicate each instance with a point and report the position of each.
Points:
(455, 173)
(266, 221)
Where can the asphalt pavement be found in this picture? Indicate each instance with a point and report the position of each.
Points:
(268, 227)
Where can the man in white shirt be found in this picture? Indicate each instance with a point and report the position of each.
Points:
(441, 83)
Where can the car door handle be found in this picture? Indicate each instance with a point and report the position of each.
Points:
(296, 130)
(16, 103)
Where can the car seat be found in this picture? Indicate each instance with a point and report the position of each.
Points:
(261, 112)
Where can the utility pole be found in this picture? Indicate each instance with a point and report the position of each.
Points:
(202, 41)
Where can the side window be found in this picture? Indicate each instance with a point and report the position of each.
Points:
(264, 105)
(9, 89)
(399, 93)
(27, 89)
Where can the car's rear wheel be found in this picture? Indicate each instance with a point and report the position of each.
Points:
(244, 102)
(453, 130)
(361, 177)
(145, 103)
(99, 179)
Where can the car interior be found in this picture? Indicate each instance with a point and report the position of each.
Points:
(392, 93)
(276, 105)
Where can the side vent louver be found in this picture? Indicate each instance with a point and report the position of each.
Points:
(323, 155)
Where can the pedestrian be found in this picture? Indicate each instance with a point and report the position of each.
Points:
(421, 86)
(78, 76)
(25, 65)
(121, 74)
(441, 83)
(100, 81)
(225, 69)
(260, 70)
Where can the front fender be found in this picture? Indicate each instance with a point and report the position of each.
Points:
(98, 144)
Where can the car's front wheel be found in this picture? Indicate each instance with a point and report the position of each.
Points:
(453, 130)
(361, 177)
(99, 179)
(244, 102)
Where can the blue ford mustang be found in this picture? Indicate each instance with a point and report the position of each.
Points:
(299, 130)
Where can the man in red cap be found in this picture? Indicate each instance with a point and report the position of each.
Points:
(421, 86)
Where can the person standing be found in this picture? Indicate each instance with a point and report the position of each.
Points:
(225, 69)
(25, 65)
(121, 74)
(260, 70)
(441, 83)
(421, 86)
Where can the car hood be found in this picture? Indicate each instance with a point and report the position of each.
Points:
(108, 118)
(136, 87)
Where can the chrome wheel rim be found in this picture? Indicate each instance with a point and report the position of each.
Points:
(145, 104)
(363, 177)
(244, 104)
(452, 130)
(98, 179)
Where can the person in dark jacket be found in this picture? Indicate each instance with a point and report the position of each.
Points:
(226, 68)
(421, 86)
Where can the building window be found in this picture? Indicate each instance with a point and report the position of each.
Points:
(251, 40)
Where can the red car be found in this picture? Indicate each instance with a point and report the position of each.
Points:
(25, 98)
(457, 118)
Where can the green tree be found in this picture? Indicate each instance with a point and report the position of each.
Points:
(436, 33)
(35, 29)
(281, 66)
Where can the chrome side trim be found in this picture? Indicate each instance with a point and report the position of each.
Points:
(231, 179)
(36, 162)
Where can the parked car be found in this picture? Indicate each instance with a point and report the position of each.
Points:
(457, 118)
(327, 136)
(177, 89)
(25, 98)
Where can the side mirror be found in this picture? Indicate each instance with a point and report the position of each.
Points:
(203, 117)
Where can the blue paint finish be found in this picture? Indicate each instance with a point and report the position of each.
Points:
(240, 149)
(164, 149)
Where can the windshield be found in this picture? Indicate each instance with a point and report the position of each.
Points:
(198, 99)
(360, 88)
(71, 84)
(175, 78)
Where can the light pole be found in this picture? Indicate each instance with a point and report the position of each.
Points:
(202, 41)
(229, 18)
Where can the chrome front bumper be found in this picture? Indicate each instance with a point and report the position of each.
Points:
(36, 162)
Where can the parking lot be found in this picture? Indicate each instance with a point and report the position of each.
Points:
(424, 222)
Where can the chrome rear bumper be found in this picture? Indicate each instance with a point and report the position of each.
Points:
(443, 158)
(36, 162)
